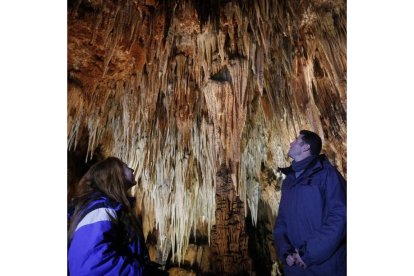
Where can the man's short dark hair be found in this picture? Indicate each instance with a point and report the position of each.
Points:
(313, 140)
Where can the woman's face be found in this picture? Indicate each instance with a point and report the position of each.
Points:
(129, 176)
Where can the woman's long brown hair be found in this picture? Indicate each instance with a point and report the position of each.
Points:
(107, 177)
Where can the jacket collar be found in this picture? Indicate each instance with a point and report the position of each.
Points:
(314, 167)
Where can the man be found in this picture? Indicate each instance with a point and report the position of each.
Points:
(310, 229)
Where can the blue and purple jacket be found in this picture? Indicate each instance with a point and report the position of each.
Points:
(103, 245)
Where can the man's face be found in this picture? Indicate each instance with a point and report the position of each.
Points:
(297, 148)
(129, 176)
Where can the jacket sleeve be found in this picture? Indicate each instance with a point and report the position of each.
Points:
(95, 248)
(324, 241)
(280, 239)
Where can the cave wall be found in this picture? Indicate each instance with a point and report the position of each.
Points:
(201, 99)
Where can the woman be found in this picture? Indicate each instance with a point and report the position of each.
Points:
(104, 236)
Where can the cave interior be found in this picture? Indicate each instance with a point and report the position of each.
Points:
(202, 99)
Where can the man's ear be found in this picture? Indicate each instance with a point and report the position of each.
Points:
(306, 147)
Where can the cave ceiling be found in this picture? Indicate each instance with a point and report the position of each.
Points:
(185, 90)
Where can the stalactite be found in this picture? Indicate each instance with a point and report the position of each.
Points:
(203, 149)
(253, 194)
(76, 112)
(252, 159)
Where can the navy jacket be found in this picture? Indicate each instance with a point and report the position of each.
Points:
(103, 245)
(312, 218)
